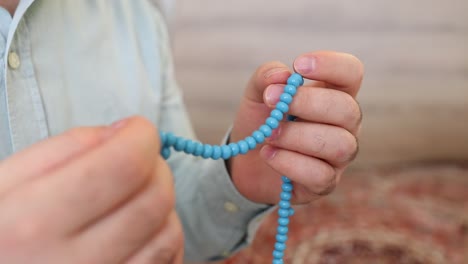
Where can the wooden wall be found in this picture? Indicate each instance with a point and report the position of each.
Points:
(415, 93)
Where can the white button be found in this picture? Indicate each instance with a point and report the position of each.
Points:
(14, 60)
(225, 254)
(230, 207)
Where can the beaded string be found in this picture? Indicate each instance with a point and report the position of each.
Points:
(215, 152)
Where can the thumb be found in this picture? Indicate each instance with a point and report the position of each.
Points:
(252, 113)
(253, 109)
(269, 73)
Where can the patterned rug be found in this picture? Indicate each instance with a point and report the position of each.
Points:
(413, 215)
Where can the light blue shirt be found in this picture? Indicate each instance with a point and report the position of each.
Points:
(68, 63)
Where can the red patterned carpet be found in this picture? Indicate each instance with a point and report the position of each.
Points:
(411, 215)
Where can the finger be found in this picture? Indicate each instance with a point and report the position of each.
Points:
(320, 105)
(48, 155)
(318, 177)
(340, 70)
(131, 227)
(335, 145)
(166, 246)
(91, 185)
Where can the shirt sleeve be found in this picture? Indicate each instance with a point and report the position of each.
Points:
(217, 219)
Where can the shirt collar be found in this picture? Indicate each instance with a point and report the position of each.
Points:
(5, 19)
(19, 13)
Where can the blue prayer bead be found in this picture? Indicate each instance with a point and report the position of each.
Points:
(287, 187)
(285, 179)
(251, 142)
(283, 230)
(296, 80)
(277, 114)
(277, 261)
(225, 152)
(189, 147)
(171, 139)
(234, 149)
(216, 152)
(272, 123)
(243, 146)
(207, 151)
(198, 149)
(286, 98)
(285, 196)
(258, 136)
(162, 137)
(283, 212)
(281, 238)
(290, 89)
(278, 254)
(284, 204)
(266, 130)
(291, 211)
(283, 107)
(180, 144)
(283, 221)
(166, 153)
(280, 246)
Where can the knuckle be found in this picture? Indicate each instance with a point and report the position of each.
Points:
(149, 215)
(353, 113)
(149, 128)
(327, 189)
(348, 147)
(166, 197)
(165, 200)
(165, 255)
(133, 166)
(173, 243)
(165, 193)
(359, 68)
(304, 195)
(328, 183)
(353, 148)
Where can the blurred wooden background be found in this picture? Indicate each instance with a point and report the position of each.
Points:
(415, 93)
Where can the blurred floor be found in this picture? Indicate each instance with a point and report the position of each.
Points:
(415, 103)
(411, 215)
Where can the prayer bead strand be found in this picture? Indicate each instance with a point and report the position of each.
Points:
(206, 151)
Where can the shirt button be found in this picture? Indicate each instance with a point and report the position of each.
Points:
(230, 207)
(225, 254)
(14, 60)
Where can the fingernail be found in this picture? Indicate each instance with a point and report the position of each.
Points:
(304, 65)
(118, 124)
(268, 152)
(273, 71)
(273, 93)
(274, 134)
(112, 128)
